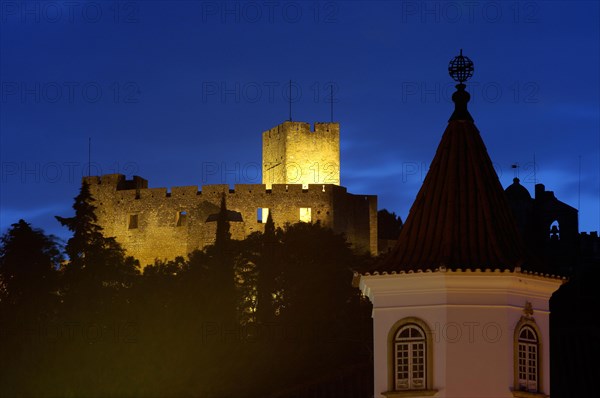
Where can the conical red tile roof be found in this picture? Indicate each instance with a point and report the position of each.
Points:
(461, 217)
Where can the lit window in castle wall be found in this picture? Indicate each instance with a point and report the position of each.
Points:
(133, 221)
(262, 213)
(305, 214)
(181, 218)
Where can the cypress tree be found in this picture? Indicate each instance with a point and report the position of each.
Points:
(267, 274)
(94, 260)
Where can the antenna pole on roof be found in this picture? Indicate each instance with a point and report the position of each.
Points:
(579, 187)
(534, 171)
(331, 102)
(89, 156)
(290, 99)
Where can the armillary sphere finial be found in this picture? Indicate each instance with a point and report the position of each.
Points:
(460, 68)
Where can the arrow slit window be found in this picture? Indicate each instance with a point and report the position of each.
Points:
(133, 221)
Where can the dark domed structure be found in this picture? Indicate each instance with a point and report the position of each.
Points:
(517, 192)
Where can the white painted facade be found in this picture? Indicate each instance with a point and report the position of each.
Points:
(472, 316)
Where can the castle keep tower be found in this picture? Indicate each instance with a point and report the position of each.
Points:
(293, 154)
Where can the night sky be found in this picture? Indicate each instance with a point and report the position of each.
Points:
(179, 93)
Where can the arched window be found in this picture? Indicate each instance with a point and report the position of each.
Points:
(555, 231)
(528, 359)
(410, 358)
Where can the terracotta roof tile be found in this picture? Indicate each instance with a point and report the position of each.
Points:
(460, 218)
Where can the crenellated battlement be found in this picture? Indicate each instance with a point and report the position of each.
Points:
(293, 153)
(290, 127)
(164, 223)
(148, 193)
(118, 181)
(137, 188)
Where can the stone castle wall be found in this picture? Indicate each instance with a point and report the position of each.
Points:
(301, 182)
(153, 223)
(293, 154)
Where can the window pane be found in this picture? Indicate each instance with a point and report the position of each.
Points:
(527, 360)
(409, 360)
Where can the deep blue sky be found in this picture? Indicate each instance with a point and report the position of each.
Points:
(168, 89)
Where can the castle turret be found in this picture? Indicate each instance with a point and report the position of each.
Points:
(293, 154)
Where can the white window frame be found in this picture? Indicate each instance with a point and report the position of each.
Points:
(528, 359)
(410, 358)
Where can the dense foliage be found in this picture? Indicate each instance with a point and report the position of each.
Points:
(388, 225)
(271, 315)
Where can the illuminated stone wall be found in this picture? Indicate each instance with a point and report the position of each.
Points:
(153, 223)
(293, 154)
(301, 177)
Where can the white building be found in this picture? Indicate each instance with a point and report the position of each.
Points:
(459, 309)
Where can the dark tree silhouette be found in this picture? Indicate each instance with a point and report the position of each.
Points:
(223, 236)
(388, 225)
(246, 277)
(316, 271)
(94, 260)
(322, 322)
(220, 270)
(150, 337)
(269, 274)
(29, 261)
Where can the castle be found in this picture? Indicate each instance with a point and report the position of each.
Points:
(301, 182)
